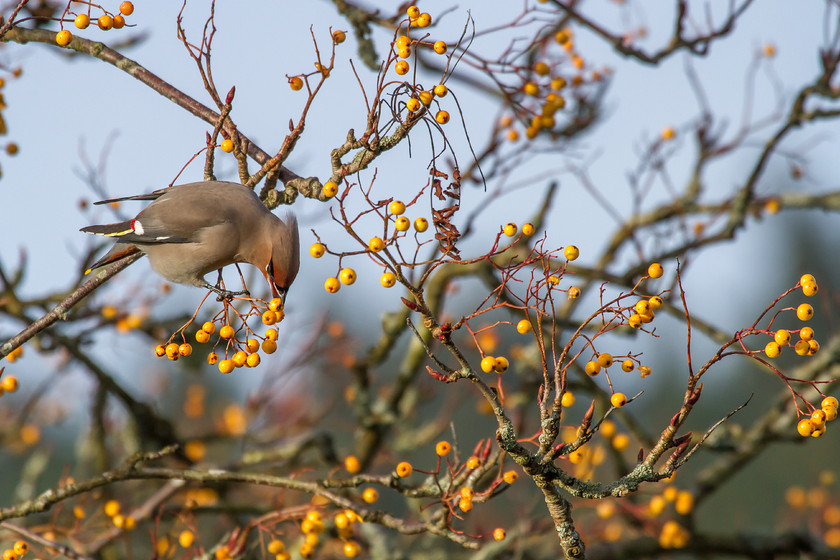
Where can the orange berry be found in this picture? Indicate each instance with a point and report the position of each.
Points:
(655, 270)
(240, 358)
(376, 244)
(510, 477)
(568, 399)
(296, 83)
(209, 327)
(473, 462)
(106, 22)
(226, 332)
(20, 548)
(404, 469)
(628, 365)
(499, 534)
(63, 38)
(268, 317)
(370, 495)
(226, 146)
(592, 368)
(339, 37)
(352, 464)
(81, 21)
(330, 189)
(332, 285)
(668, 133)
(443, 448)
(347, 276)
(126, 8)
(212, 358)
(465, 504)
(352, 549)
(253, 360)
(269, 346)
(401, 67)
(185, 349)
(112, 508)
(402, 223)
(440, 90)
(605, 360)
(442, 117)
(440, 47)
(426, 97)
(271, 334)
(523, 326)
(226, 366)
(186, 539)
(388, 279)
(119, 21)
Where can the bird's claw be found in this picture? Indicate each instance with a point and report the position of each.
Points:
(222, 295)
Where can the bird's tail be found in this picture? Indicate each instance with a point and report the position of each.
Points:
(110, 230)
(117, 252)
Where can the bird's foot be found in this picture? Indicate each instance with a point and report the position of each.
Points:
(222, 294)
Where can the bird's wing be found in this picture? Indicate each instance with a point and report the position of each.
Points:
(149, 196)
(134, 231)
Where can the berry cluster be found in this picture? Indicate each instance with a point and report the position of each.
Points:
(238, 352)
(17, 552)
(82, 20)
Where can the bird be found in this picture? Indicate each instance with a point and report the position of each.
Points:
(192, 229)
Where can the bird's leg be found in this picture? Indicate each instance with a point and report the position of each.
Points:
(223, 293)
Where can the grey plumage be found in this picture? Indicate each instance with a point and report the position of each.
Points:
(192, 229)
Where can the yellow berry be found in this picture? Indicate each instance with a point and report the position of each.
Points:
(186, 539)
(488, 364)
(553, 280)
(404, 469)
(20, 548)
(684, 502)
(618, 400)
(628, 365)
(513, 135)
(106, 22)
(296, 83)
(807, 279)
(226, 366)
(317, 250)
(440, 47)
(185, 349)
(396, 208)
(112, 508)
(782, 337)
(347, 276)
(275, 304)
(332, 285)
(253, 360)
(655, 302)
(370, 495)
(413, 12)
(413, 104)
(830, 413)
(568, 399)
(542, 69)
(424, 20)
(212, 358)
(63, 38)
(268, 317)
(443, 448)
(804, 312)
(240, 358)
(668, 133)
(558, 83)
(81, 21)
(376, 244)
(352, 549)
(806, 333)
(574, 292)
(465, 504)
(642, 307)
(644, 371)
(209, 327)
(635, 320)
(126, 8)
(592, 368)
(9, 384)
(269, 346)
(805, 428)
(402, 41)
(802, 347)
(402, 223)
(442, 117)
(655, 270)
(352, 464)
(499, 534)
(510, 477)
(401, 67)
(571, 252)
(502, 364)
(605, 360)
(531, 88)
(473, 462)
(330, 189)
(339, 37)
(426, 97)
(772, 349)
(227, 146)
(818, 417)
(829, 401)
(421, 224)
(810, 289)
(510, 229)
(119, 21)
(388, 279)
(523, 326)
(226, 332)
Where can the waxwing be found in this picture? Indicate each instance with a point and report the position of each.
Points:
(190, 230)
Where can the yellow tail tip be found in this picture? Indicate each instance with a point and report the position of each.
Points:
(88, 271)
